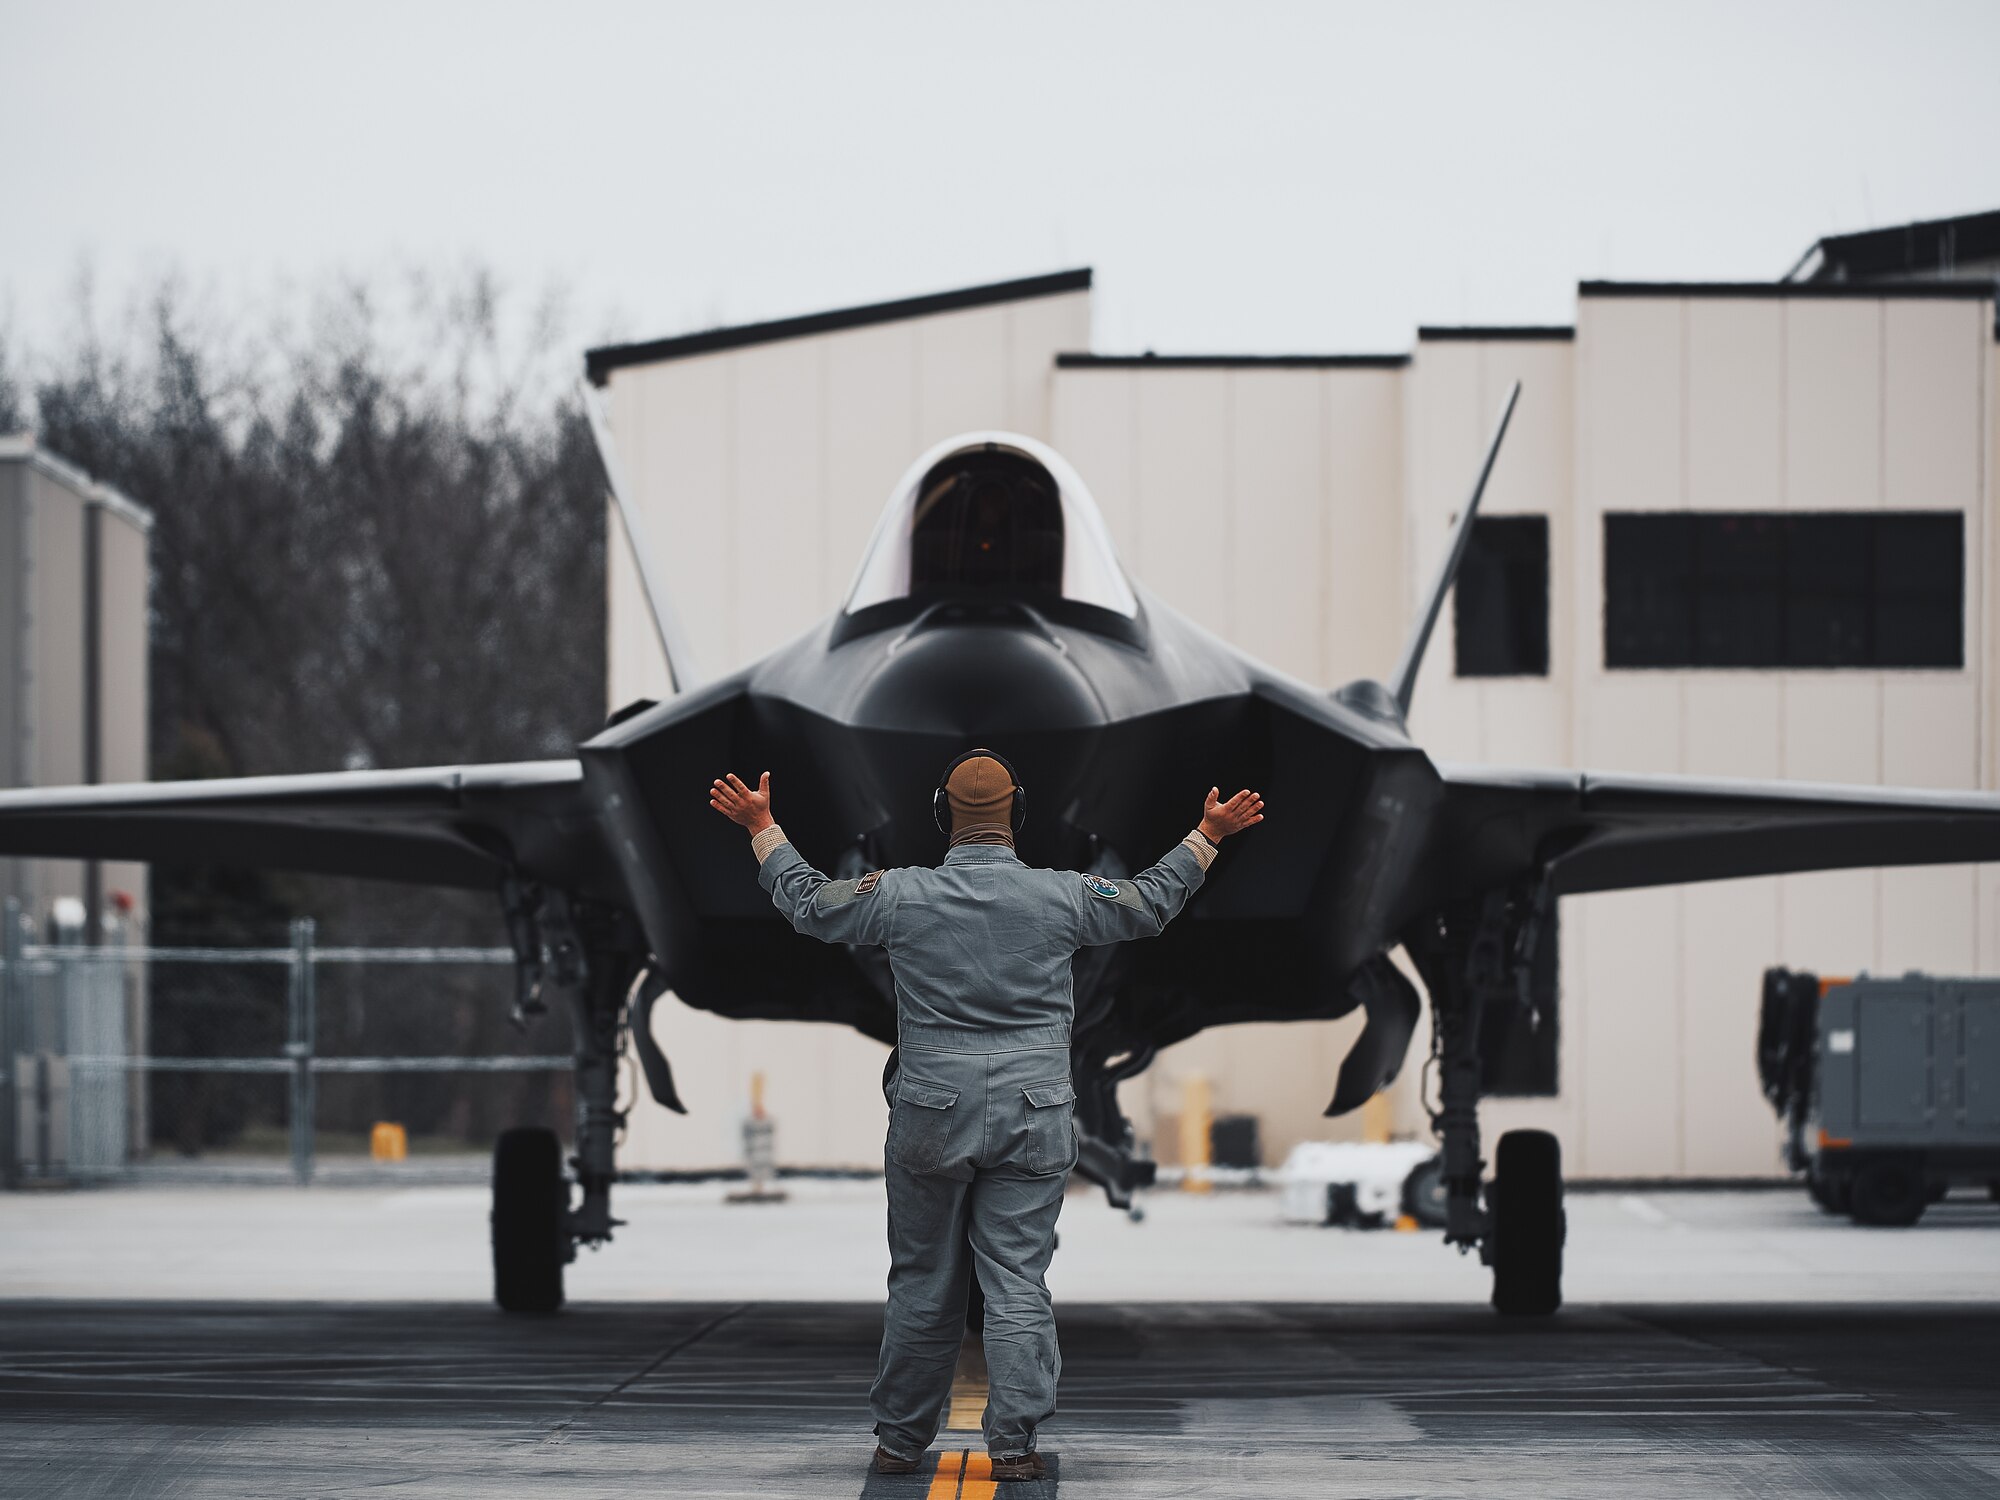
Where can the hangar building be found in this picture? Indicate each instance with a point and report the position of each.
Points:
(1737, 530)
(73, 636)
(73, 640)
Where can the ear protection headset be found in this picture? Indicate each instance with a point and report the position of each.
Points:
(941, 803)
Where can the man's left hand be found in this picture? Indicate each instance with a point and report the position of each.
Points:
(736, 802)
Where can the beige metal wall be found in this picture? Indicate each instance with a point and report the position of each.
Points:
(1456, 388)
(760, 471)
(1298, 512)
(1264, 502)
(45, 518)
(1794, 403)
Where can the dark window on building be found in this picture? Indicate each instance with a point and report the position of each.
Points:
(1500, 609)
(1779, 589)
(1517, 1043)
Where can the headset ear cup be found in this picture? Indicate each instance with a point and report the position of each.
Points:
(938, 807)
(1020, 806)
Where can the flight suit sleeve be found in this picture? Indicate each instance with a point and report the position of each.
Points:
(834, 911)
(1114, 911)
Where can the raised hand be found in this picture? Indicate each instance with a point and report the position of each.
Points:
(736, 802)
(1220, 819)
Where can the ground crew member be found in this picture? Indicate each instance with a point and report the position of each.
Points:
(981, 1137)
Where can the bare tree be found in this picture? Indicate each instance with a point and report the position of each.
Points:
(377, 544)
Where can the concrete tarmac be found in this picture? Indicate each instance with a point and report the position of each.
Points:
(768, 1399)
(277, 1343)
(825, 1243)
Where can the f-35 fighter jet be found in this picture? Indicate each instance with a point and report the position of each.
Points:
(990, 609)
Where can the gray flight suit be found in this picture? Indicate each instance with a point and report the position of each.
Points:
(981, 1120)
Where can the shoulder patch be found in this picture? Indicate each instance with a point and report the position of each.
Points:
(1099, 886)
(840, 892)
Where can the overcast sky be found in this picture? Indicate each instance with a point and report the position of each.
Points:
(1244, 178)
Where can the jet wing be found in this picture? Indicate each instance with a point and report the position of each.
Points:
(1618, 832)
(446, 825)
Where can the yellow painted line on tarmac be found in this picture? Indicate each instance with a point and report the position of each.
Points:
(944, 1483)
(965, 1473)
(979, 1481)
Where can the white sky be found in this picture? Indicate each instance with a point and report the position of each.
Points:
(1244, 178)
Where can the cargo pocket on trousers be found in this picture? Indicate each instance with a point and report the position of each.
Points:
(920, 1125)
(1051, 1127)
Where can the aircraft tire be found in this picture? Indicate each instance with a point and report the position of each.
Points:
(1890, 1192)
(1528, 1224)
(1424, 1194)
(529, 1199)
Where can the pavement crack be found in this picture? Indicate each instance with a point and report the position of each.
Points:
(559, 1434)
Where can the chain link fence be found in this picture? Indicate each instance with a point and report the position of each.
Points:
(279, 1063)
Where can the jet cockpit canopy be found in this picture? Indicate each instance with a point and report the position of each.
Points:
(994, 515)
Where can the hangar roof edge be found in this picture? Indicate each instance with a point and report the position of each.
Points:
(1965, 291)
(23, 448)
(1497, 332)
(1083, 361)
(600, 362)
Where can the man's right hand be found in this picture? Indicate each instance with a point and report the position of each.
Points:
(1220, 819)
(750, 810)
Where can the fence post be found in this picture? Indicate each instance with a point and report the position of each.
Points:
(300, 1006)
(10, 992)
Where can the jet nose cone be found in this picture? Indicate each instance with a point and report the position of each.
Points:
(976, 679)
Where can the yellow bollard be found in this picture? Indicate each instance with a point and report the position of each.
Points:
(1378, 1118)
(759, 1151)
(1196, 1119)
(388, 1142)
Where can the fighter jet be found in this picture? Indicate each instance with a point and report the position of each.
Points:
(989, 608)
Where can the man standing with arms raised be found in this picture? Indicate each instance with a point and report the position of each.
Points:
(981, 1136)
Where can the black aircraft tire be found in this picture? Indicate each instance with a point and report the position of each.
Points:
(1424, 1194)
(1528, 1224)
(529, 1197)
(1890, 1192)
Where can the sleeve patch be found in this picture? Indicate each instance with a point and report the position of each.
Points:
(1125, 893)
(840, 892)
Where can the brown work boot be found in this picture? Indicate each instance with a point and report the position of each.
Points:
(1020, 1466)
(887, 1462)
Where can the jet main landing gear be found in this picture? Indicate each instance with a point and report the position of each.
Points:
(1474, 953)
(531, 1242)
(1526, 1224)
(591, 955)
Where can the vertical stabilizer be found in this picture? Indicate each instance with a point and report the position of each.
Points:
(673, 641)
(1403, 682)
